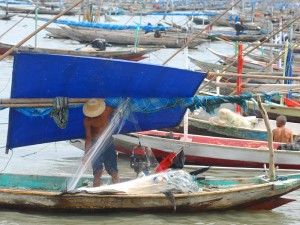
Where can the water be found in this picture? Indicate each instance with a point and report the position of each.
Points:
(62, 158)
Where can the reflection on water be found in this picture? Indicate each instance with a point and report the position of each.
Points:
(62, 158)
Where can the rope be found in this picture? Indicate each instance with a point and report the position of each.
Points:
(17, 23)
(36, 151)
(5, 86)
(7, 161)
(60, 112)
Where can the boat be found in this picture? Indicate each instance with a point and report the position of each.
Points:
(31, 9)
(47, 193)
(110, 18)
(242, 37)
(250, 128)
(246, 25)
(273, 110)
(208, 150)
(69, 76)
(128, 38)
(126, 54)
(6, 16)
(207, 66)
(54, 32)
(291, 103)
(248, 63)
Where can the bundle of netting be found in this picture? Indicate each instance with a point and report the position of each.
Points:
(177, 181)
(226, 117)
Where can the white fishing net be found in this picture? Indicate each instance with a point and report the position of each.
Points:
(227, 117)
(177, 181)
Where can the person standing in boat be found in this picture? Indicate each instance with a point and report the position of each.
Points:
(281, 133)
(97, 118)
(239, 28)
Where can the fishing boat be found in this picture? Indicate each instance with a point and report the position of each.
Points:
(31, 9)
(69, 76)
(128, 38)
(46, 193)
(126, 54)
(6, 16)
(207, 66)
(242, 37)
(255, 131)
(273, 110)
(248, 63)
(208, 150)
(54, 32)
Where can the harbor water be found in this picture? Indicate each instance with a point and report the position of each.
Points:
(63, 159)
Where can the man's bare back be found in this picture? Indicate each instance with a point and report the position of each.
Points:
(282, 134)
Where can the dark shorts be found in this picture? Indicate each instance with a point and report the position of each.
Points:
(108, 158)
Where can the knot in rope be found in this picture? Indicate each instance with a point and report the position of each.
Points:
(60, 112)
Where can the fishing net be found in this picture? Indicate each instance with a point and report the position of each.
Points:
(227, 117)
(177, 181)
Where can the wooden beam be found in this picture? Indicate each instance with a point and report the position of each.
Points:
(36, 102)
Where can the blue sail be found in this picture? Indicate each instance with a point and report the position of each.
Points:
(51, 76)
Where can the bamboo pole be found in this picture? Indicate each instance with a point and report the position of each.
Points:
(38, 30)
(270, 45)
(270, 138)
(36, 102)
(272, 73)
(197, 35)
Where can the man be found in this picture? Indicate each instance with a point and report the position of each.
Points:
(97, 116)
(281, 133)
(239, 27)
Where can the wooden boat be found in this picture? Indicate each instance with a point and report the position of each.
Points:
(210, 151)
(249, 63)
(247, 25)
(6, 17)
(110, 18)
(274, 110)
(206, 66)
(120, 37)
(126, 54)
(200, 21)
(242, 37)
(56, 32)
(72, 77)
(31, 8)
(46, 193)
(257, 132)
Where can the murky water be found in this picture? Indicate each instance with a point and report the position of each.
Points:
(62, 158)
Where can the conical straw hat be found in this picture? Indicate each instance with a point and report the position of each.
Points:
(94, 107)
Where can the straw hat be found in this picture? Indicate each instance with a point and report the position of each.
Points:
(94, 107)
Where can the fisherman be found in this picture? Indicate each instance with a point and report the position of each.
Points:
(281, 133)
(97, 116)
(189, 26)
(157, 34)
(239, 27)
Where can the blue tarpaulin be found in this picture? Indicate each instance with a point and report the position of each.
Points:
(50, 76)
(107, 26)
